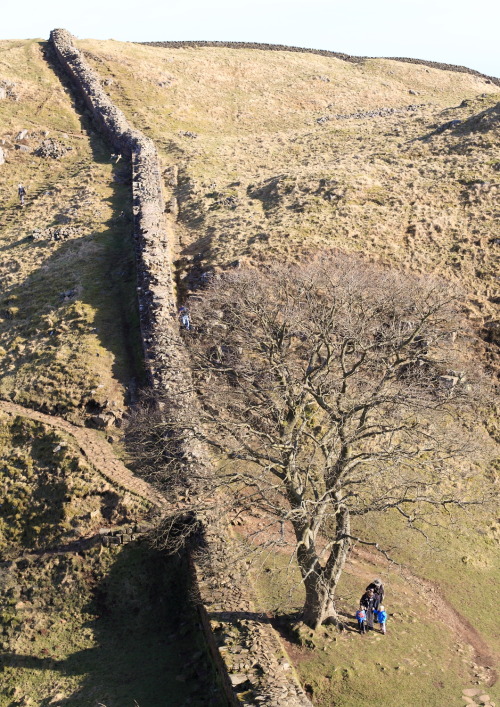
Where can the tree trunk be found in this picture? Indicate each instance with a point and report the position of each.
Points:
(320, 582)
(318, 606)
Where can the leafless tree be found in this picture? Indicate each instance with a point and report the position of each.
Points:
(330, 392)
(336, 390)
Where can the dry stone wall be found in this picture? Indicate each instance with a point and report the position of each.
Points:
(260, 675)
(321, 52)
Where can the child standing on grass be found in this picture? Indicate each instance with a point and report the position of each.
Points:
(361, 619)
(382, 618)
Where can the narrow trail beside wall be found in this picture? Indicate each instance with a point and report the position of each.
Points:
(96, 449)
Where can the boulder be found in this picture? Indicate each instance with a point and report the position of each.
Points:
(2, 156)
(101, 421)
(448, 381)
(238, 679)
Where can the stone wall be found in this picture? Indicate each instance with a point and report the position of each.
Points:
(322, 52)
(260, 674)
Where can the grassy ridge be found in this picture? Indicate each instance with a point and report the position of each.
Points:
(66, 304)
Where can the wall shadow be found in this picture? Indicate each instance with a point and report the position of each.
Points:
(147, 642)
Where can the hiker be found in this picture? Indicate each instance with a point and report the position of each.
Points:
(382, 618)
(185, 320)
(367, 601)
(361, 619)
(378, 590)
(21, 191)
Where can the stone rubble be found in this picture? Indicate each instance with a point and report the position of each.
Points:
(56, 233)
(52, 148)
(376, 113)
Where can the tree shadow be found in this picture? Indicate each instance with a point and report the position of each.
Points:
(147, 641)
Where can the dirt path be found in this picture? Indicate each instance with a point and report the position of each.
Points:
(97, 451)
(443, 611)
(440, 607)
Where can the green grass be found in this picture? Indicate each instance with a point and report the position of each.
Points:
(112, 628)
(420, 660)
(50, 495)
(56, 352)
(103, 625)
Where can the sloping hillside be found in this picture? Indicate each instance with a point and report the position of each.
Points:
(79, 624)
(277, 155)
(280, 153)
(266, 156)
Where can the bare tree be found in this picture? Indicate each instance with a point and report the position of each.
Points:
(333, 392)
(327, 393)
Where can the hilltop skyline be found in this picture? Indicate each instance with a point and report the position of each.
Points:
(442, 32)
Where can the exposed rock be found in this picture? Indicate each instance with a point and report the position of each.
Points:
(52, 148)
(2, 156)
(21, 135)
(56, 233)
(188, 133)
(375, 113)
(448, 381)
(22, 148)
(3, 93)
(447, 126)
(101, 421)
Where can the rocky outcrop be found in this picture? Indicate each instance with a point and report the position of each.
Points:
(322, 52)
(168, 368)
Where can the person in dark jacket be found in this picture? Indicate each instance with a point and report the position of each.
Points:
(367, 601)
(378, 590)
(21, 192)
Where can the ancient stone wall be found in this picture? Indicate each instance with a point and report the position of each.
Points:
(320, 52)
(270, 681)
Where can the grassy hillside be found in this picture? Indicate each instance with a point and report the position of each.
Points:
(79, 624)
(67, 297)
(266, 156)
(267, 168)
(275, 155)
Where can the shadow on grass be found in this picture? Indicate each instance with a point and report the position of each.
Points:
(102, 262)
(147, 649)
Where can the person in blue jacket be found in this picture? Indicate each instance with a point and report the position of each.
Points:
(361, 619)
(382, 618)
